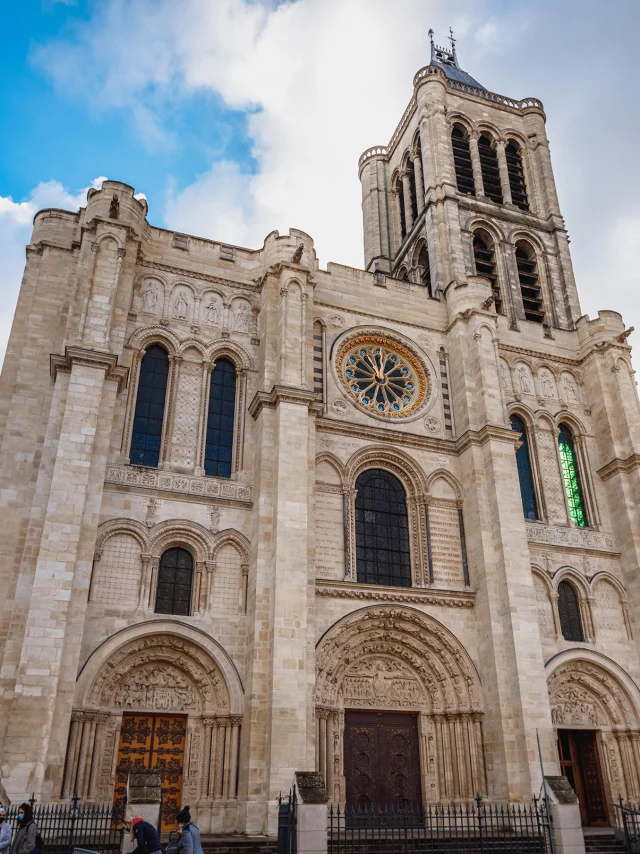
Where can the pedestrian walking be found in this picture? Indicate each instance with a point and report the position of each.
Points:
(5, 832)
(25, 839)
(190, 837)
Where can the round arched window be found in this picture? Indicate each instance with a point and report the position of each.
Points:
(175, 581)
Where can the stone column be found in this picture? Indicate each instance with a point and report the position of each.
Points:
(504, 172)
(417, 171)
(235, 747)
(219, 757)
(406, 197)
(145, 580)
(478, 183)
(75, 732)
(205, 774)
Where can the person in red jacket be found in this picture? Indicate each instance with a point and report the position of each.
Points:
(144, 834)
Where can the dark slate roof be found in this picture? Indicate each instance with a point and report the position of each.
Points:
(455, 73)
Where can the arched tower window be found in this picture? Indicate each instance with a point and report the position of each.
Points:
(222, 406)
(485, 258)
(149, 412)
(569, 612)
(571, 477)
(382, 530)
(513, 154)
(529, 284)
(400, 204)
(525, 473)
(424, 267)
(175, 580)
(412, 188)
(489, 168)
(462, 160)
(318, 359)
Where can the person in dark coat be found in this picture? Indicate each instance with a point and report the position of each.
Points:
(144, 834)
(190, 837)
(25, 839)
(5, 833)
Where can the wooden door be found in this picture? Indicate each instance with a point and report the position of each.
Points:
(153, 743)
(580, 764)
(382, 759)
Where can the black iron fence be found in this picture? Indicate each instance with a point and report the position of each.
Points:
(287, 823)
(628, 822)
(466, 828)
(65, 827)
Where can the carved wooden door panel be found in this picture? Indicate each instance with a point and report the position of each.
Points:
(382, 762)
(153, 743)
(580, 764)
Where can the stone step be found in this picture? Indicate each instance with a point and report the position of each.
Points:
(237, 844)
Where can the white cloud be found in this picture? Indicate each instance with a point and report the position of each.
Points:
(15, 231)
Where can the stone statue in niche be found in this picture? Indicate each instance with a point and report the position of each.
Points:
(547, 384)
(569, 389)
(242, 318)
(525, 380)
(150, 300)
(212, 315)
(114, 207)
(180, 308)
(503, 376)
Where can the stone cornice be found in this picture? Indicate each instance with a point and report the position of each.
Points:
(618, 466)
(379, 318)
(108, 362)
(283, 394)
(415, 595)
(193, 274)
(488, 433)
(538, 356)
(383, 434)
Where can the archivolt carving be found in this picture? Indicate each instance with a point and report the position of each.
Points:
(395, 656)
(582, 693)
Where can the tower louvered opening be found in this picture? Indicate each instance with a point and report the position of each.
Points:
(489, 168)
(424, 267)
(400, 204)
(412, 188)
(529, 284)
(517, 184)
(485, 258)
(462, 160)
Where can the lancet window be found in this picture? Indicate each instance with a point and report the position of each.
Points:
(424, 269)
(571, 477)
(490, 169)
(529, 283)
(569, 612)
(218, 457)
(400, 206)
(515, 169)
(150, 405)
(485, 259)
(525, 473)
(175, 581)
(382, 530)
(462, 160)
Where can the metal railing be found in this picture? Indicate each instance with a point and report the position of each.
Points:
(65, 827)
(287, 823)
(441, 829)
(628, 822)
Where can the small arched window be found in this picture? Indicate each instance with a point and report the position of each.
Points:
(525, 473)
(462, 160)
(517, 185)
(569, 612)
(529, 284)
(149, 412)
(571, 477)
(485, 258)
(382, 530)
(218, 454)
(175, 581)
(424, 266)
(400, 204)
(490, 169)
(402, 274)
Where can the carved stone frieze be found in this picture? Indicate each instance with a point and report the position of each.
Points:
(211, 487)
(425, 596)
(582, 693)
(573, 537)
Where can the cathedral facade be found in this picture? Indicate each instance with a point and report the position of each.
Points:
(261, 517)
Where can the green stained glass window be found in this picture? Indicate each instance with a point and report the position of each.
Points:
(571, 477)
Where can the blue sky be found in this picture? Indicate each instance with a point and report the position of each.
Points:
(235, 117)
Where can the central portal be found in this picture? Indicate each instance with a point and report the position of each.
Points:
(382, 759)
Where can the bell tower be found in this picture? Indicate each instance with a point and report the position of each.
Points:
(465, 188)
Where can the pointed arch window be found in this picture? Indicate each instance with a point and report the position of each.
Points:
(529, 284)
(489, 168)
(382, 530)
(218, 454)
(525, 473)
(148, 416)
(175, 581)
(462, 160)
(569, 612)
(515, 169)
(400, 204)
(424, 267)
(571, 477)
(411, 171)
(485, 259)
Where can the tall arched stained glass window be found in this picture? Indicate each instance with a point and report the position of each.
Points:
(218, 454)
(569, 612)
(525, 474)
(149, 412)
(382, 530)
(175, 579)
(571, 477)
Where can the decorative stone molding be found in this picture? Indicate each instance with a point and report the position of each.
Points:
(283, 394)
(208, 487)
(573, 537)
(617, 466)
(349, 590)
(108, 362)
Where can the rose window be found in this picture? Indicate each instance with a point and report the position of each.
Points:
(382, 377)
